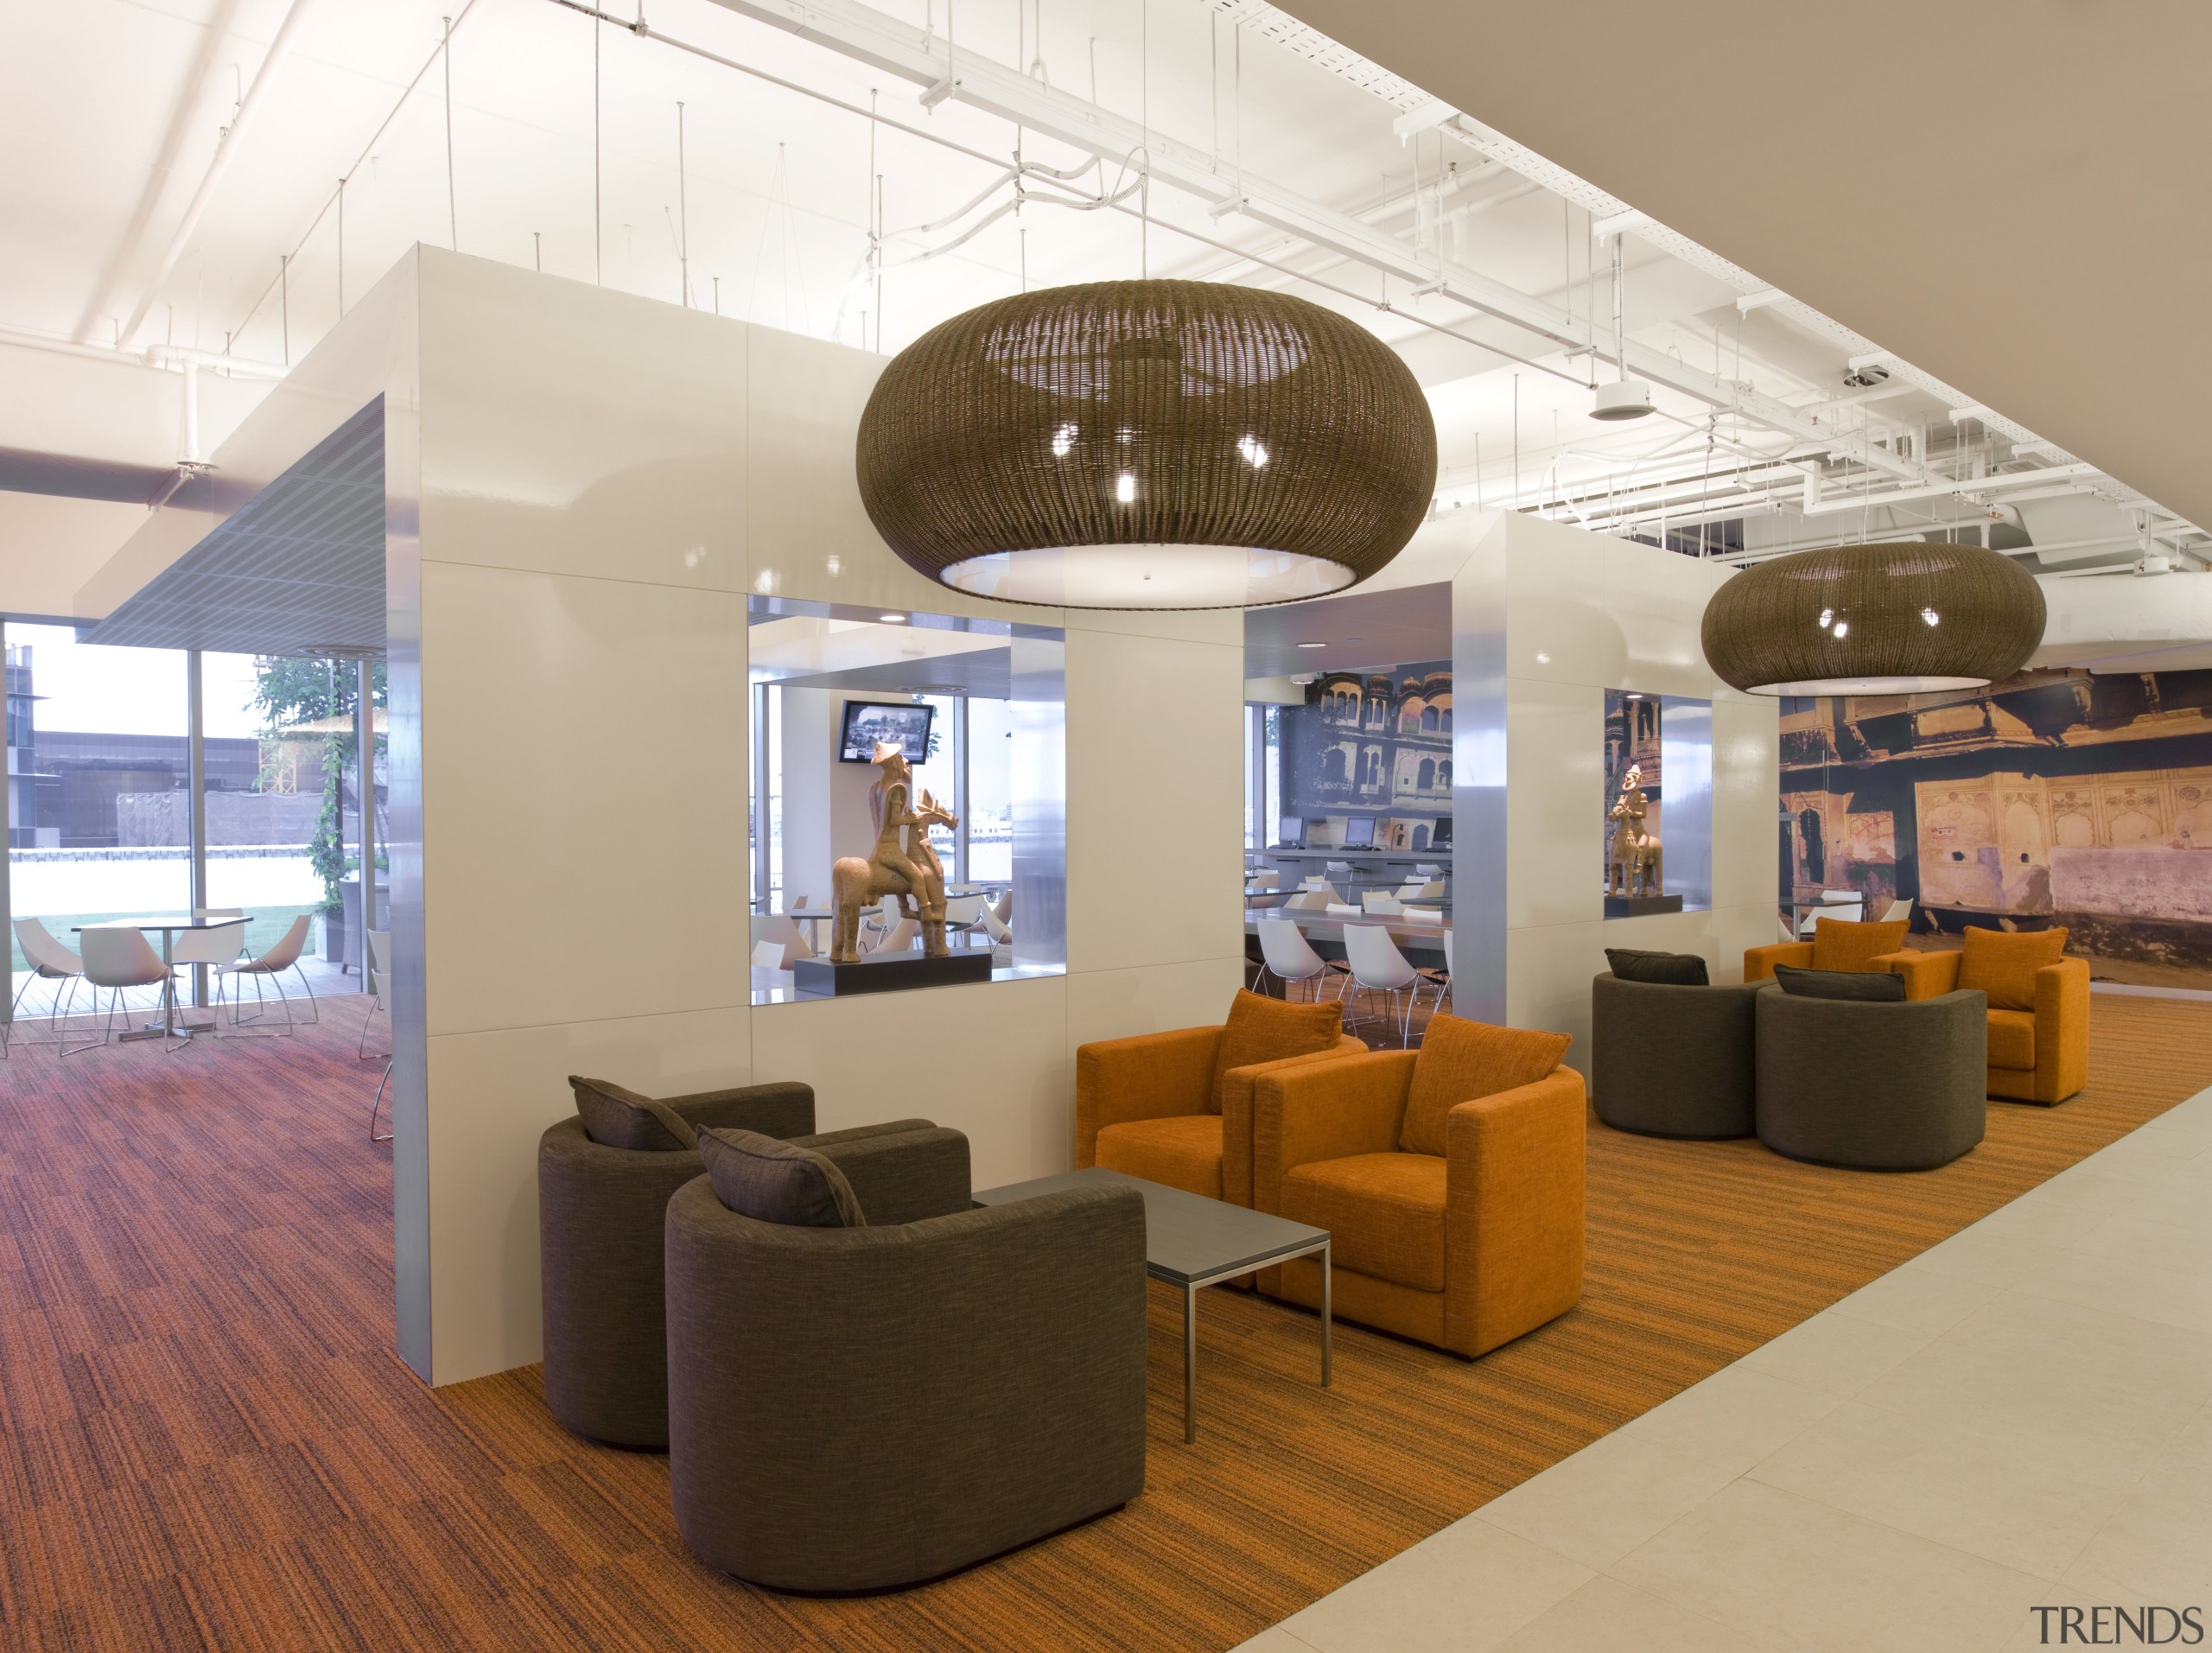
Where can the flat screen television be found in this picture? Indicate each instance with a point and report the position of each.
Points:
(905, 724)
(1290, 833)
(1359, 833)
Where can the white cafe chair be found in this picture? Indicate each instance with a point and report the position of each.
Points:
(268, 970)
(785, 933)
(768, 956)
(1850, 908)
(1002, 909)
(117, 958)
(1290, 958)
(995, 928)
(1267, 878)
(1382, 905)
(379, 999)
(1428, 869)
(1423, 915)
(1377, 966)
(50, 962)
(900, 938)
(1344, 909)
(964, 912)
(1899, 910)
(1411, 889)
(219, 945)
(1441, 980)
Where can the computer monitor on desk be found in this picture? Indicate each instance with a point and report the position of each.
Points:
(1440, 836)
(1359, 834)
(1291, 833)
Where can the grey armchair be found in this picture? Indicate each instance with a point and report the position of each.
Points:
(858, 1408)
(1672, 1061)
(598, 1239)
(1900, 1086)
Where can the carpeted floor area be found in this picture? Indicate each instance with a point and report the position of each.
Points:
(205, 1441)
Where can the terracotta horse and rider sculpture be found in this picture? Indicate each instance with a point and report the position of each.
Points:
(902, 862)
(1632, 868)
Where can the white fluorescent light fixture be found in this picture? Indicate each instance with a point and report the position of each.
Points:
(1876, 358)
(892, 619)
(1313, 646)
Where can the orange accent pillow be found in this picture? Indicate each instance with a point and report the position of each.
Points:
(1847, 944)
(1461, 1059)
(2003, 963)
(1261, 1029)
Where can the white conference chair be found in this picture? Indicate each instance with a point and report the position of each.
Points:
(117, 958)
(1423, 915)
(219, 945)
(1411, 890)
(1851, 907)
(901, 938)
(1431, 891)
(1290, 958)
(964, 912)
(1337, 869)
(1377, 966)
(379, 999)
(1382, 905)
(1265, 879)
(1428, 869)
(1002, 909)
(268, 970)
(1899, 910)
(785, 933)
(768, 956)
(1441, 980)
(50, 962)
(1344, 909)
(995, 928)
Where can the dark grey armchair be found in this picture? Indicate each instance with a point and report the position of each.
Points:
(599, 1241)
(1672, 1061)
(858, 1408)
(1900, 1086)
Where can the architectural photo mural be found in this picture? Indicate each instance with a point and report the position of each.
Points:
(1372, 745)
(2054, 797)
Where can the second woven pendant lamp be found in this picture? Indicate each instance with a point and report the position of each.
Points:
(1148, 444)
(1874, 619)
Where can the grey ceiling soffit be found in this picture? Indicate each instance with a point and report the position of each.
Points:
(297, 569)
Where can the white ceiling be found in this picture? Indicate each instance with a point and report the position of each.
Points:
(112, 110)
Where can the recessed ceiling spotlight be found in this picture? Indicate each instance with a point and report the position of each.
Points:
(1313, 646)
(892, 619)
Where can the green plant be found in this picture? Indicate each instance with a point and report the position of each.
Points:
(289, 691)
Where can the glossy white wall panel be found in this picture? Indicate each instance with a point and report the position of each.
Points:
(1558, 626)
(1747, 800)
(570, 429)
(991, 1059)
(493, 1095)
(1658, 598)
(1555, 796)
(1155, 800)
(585, 797)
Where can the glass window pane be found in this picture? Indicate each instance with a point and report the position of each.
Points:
(990, 792)
(271, 819)
(939, 774)
(100, 824)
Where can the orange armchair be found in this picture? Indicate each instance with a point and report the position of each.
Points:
(1466, 1249)
(2038, 1016)
(1144, 1106)
(1837, 944)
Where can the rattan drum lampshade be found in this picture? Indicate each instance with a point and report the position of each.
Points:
(1874, 619)
(1148, 444)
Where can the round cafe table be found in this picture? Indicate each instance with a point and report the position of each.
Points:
(168, 1026)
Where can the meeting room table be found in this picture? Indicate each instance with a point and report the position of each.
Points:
(168, 1026)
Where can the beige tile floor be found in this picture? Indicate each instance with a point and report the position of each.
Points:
(2021, 1416)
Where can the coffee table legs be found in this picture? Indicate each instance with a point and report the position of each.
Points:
(1325, 1320)
(1190, 1364)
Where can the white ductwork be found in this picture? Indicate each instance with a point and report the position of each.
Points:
(2123, 621)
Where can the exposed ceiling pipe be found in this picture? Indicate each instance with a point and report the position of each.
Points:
(225, 148)
(866, 36)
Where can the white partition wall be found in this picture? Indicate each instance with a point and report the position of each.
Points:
(601, 481)
(1546, 618)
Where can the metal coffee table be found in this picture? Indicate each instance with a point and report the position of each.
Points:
(1190, 1241)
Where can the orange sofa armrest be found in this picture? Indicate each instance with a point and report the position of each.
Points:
(2062, 1015)
(1238, 1086)
(1926, 974)
(1150, 1076)
(1513, 1210)
(1305, 1112)
(1759, 962)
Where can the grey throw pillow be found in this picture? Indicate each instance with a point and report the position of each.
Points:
(770, 1181)
(615, 1117)
(1879, 987)
(1669, 970)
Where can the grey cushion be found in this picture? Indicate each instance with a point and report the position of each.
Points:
(902, 1172)
(770, 1181)
(616, 1117)
(1867, 987)
(600, 1212)
(1672, 1061)
(1673, 969)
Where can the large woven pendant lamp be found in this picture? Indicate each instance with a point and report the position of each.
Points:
(1874, 619)
(1148, 444)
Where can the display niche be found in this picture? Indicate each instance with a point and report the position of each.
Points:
(1657, 803)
